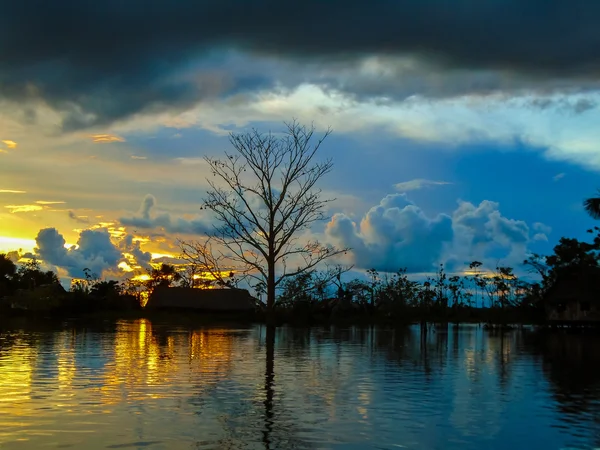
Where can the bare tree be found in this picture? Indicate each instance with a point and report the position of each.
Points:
(211, 266)
(264, 196)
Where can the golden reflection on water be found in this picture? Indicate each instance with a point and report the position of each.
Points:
(59, 382)
(134, 384)
(65, 350)
(141, 360)
(134, 362)
(16, 371)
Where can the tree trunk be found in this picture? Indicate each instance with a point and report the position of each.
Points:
(271, 292)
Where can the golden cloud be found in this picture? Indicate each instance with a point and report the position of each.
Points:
(10, 144)
(43, 202)
(23, 208)
(106, 225)
(106, 138)
(125, 267)
(162, 255)
(137, 157)
(11, 191)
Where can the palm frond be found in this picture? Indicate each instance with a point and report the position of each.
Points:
(592, 206)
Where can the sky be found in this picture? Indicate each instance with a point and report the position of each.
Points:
(462, 130)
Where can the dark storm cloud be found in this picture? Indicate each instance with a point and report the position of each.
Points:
(101, 61)
(564, 104)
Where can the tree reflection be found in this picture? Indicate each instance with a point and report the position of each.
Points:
(570, 363)
(271, 388)
(269, 379)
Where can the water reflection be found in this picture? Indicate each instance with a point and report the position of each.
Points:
(269, 381)
(16, 373)
(143, 384)
(570, 363)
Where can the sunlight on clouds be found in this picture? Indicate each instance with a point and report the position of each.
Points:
(138, 157)
(483, 273)
(106, 138)
(305, 97)
(10, 144)
(117, 232)
(43, 202)
(557, 127)
(417, 184)
(107, 225)
(23, 208)
(142, 277)
(11, 191)
(162, 255)
(8, 244)
(125, 267)
(562, 134)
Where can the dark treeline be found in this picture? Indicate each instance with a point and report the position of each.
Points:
(499, 296)
(496, 295)
(26, 287)
(479, 294)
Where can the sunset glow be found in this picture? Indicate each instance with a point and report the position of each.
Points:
(316, 224)
(425, 139)
(8, 244)
(106, 138)
(10, 144)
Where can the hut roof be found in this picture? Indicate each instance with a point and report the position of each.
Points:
(44, 289)
(202, 299)
(579, 285)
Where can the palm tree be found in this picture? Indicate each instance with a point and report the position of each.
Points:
(592, 206)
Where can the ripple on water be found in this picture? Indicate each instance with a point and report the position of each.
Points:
(138, 384)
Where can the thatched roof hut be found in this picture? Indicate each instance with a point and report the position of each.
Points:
(42, 298)
(209, 300)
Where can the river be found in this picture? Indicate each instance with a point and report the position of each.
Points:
(148, 385)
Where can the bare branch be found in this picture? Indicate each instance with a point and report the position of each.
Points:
(264, 194)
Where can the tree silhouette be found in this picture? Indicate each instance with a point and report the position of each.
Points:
(163, 276)
(264, 196)
(30, 275)
(8, 270)
(592, 206)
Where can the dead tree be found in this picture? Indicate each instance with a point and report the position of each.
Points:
(208, 264)
(264, 196)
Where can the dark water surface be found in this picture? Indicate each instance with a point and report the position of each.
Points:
(147, 385)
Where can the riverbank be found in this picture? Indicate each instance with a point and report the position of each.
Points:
(108, 320)
(492, 317)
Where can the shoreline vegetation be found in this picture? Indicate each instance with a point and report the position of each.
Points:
(379, 299)
(485, 318)
(258, 242)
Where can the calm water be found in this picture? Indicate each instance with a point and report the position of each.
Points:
(143, 385)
